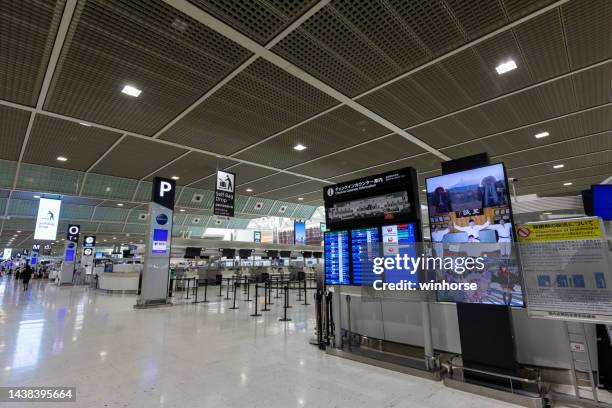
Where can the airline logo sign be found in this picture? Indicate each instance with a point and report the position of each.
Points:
(225, 187)
(73, 232)
(89, 241)
(47, 219)
(164, 192)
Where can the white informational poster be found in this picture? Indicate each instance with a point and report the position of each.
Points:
(7, 253)
(566, 270)
(47, 219)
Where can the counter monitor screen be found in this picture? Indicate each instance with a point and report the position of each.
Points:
(399, 239)
(364, 248)
(337, 258)
(602, 201)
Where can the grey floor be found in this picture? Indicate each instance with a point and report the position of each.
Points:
(188, 355)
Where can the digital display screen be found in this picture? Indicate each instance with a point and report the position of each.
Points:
(364, 248)
(160, 241)
(69, 255)
(602, 201)
(473, 206)
(399, 239)
(299, 231)
(390, 205)
(337, 258)
(98, 254)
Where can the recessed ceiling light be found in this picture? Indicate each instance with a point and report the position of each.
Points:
(300, 198)
(61, 158)
(558, 166)
(114, 237)
(84, 124)
(119, 204)
(182, 210)
(299, 147)
(505, 67)
(175, 177)
(132, 91)
(569, 183)
(19, 232)
(424, 190)
(547, 213)
(541, 135)
(249, 190)
(36, 196)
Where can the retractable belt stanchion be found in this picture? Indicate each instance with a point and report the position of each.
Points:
(299, 289)
(248, 291)
(256, 301)
(188, 280)
(277, 296)
(221, 287)
(285, 318)
(265, 309)
(169, 287)
(196, 284)
(205, 291)
(246, 282)
(319, 313)
(270, 293)
(227, 289)
(305, 295)
(234, 306)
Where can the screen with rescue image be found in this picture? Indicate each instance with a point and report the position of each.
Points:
(364, 248)
(473, 207)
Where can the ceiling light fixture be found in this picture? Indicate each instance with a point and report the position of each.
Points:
(547, 213)
(424, 190)
(300, 198)
(61, 158)
(84, 124)
(558, 166)
(131, 91)
(175, 177)
(541, 135)
(182, 210)
(249, 190)
(119, 204)
(505, 67)
(299, 147)
(569, 183)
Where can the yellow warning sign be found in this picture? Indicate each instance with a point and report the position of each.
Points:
(562, 230)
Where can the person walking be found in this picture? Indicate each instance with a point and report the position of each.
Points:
(26, 274)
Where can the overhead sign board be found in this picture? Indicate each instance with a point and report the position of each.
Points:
(89, 241)
(73, 232)
(7, 253)
(47, 219)
(225, 187)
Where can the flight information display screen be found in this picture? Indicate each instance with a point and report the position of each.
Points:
(364, 248)
(399, 239)
(337, 258)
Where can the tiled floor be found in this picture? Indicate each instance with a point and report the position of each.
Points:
(188, 355)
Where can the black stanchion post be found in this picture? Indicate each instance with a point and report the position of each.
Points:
(288, 293)
(277, 285)
(221, 287)
(196, 285)
(270, 293)
(285, 318)
(169, 288)
(234, 306)
(299, 289)
(256, 302)
(246, 282)
(265, 309)
(248, 291)
(188, 280)
(305, 295)
(227, 289)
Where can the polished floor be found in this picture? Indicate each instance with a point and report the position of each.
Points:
(203, 355)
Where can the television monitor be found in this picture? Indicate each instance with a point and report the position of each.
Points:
(602, 201)
(299, 233)
(473, 206)
(587, 202)
(192, 252)
(229, 253)
(69, 255)
(285, 254)
(307, 254)
(272, 253)
(399, 239)
(245, 253)
(364, 248)
(318, 254)
(337, 258)
(98, 255)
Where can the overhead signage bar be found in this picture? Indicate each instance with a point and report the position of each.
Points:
(225, 187)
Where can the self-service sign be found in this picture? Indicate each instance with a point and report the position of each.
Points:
(89, 241)
(73, 232)
(225, 187)
(163, 192)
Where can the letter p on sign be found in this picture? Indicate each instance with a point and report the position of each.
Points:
(164, 187)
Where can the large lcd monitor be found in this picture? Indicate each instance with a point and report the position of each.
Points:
(299, 233)
(337, 258)
(602, 201)
(399, 239)
(473, 206)
(365, 244)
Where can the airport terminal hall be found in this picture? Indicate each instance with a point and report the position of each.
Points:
(306, 203)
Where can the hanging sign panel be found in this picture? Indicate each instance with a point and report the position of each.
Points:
(225, 187)
(47, 219)
(567, 270)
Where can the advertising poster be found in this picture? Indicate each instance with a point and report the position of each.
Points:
(299, 232)
(47, 219)
(566, 269)
(6, 255)
(225, 186)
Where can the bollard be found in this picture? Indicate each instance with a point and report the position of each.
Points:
(234, 306)
(285, 318)
(256, 302)
(227, 289)
(305, 296)
(265, 309)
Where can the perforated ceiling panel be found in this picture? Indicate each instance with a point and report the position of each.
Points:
(13, 125)
(192, 167)
(258, 102)
(145, 44)
(81, 145)
(278, 180)
(293, 190)
(27, 33)
(42, 178)
(260, 20)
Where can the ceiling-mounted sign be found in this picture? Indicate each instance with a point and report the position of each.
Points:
(73, 232)
(163, 192)
(89, 241)
(88, 251)
(47, 219)
(225, 187)
(35, 247)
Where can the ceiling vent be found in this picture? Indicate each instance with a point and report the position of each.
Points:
(197, 198)
(282, 209)
(195, 220)
(142, 216)
(258, 206)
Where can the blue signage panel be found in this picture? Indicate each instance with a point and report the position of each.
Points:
(337, 258)
(364, 248)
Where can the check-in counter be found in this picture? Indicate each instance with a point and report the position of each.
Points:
(119, 282)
